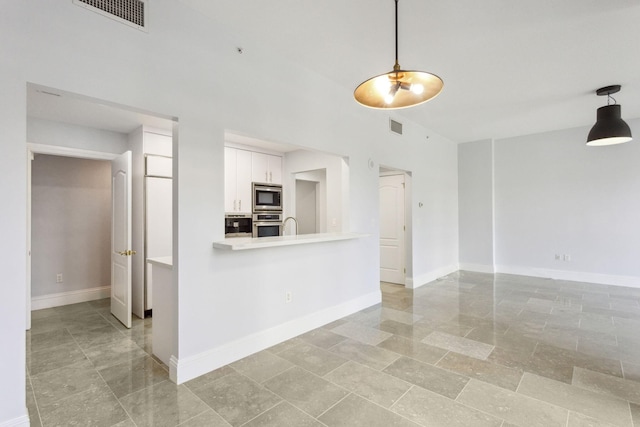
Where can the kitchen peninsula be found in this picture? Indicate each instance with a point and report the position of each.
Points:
(240, 244)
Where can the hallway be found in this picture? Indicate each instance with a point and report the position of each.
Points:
(469, 349)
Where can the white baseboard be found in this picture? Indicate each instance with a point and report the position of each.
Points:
(185, 369)
(478, 268)
(423, 279)
(71, 297)
(22, 421)
(576, 276)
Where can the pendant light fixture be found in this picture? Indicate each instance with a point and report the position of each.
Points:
(609, 129)
(398, 88)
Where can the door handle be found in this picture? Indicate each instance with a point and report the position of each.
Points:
(128, 252)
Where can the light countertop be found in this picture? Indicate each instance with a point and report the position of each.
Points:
(245, 243)
(163, 261)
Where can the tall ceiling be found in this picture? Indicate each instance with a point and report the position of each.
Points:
(510, 67)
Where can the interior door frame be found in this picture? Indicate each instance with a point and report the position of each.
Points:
(54, 150)
(408, 215)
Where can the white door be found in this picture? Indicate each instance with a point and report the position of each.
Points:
(121, 238)
(392, 229)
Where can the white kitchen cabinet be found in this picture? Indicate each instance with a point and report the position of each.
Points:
(266, 168)
(237, 180)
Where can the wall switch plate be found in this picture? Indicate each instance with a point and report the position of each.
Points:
(288, 297)
(59, 278)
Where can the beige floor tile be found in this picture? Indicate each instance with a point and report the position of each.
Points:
(133, 375)
(237, 398)
(414, 349)
(362, 333)
(533, 324)
(162, 404)
(631, 371)
(596, 405)
(54, 358)
(607, 384)
(460, 345)
(57, 384)
(208, 418)
(306, 391)
(635, 414)
(312, 358)
(115, 353)
(44, 340)
(96, 406)
(261, 366)
(375, 386)
(322, 338)
(283, 415)
(427, 376)
(208, 378)
(482, 370)
(577, 419)
(369, 355)
(431, 409)
(512, 407)
(354, 411)
(415, 331)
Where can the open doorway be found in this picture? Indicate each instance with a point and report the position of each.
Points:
(70, 133)
(395, 228)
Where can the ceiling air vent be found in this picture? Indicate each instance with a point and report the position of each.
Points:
(395, 127)
(130, 12)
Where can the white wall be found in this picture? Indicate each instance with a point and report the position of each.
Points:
(475, 192)
(47, 132)
(71, 224)
(181, 68)
(334, 187)
(555, 195)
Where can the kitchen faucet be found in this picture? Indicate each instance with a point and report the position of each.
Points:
(284, 223)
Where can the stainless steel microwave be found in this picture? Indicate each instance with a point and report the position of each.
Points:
(267, 197)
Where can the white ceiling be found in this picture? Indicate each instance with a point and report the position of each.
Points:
(60, 106)
(510, 67)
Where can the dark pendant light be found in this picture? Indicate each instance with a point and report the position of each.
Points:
(398, 88)
(609, 129)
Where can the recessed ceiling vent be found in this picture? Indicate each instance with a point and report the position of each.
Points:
(395, 127)
(130, 12)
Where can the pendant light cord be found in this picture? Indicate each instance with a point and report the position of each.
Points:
(396, 67)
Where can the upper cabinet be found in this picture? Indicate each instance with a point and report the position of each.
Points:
(237, 180)
(266, 168)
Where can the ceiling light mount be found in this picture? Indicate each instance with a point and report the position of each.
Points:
(609, 129)
(398, 88)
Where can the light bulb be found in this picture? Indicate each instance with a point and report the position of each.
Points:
(388, 98)
(382, 84)
(417, 88)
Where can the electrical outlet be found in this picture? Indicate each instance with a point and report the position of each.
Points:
(566, 257)
(288, 297)
(59, 278)
(557, 257)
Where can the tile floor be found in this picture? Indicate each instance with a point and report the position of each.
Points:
(467, 350)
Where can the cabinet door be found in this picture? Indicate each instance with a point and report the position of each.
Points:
(275, 169)
(259, 167)
(243, 180)
(230, 203)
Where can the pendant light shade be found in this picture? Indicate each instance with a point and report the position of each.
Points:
(398, 88)
(609, 129)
